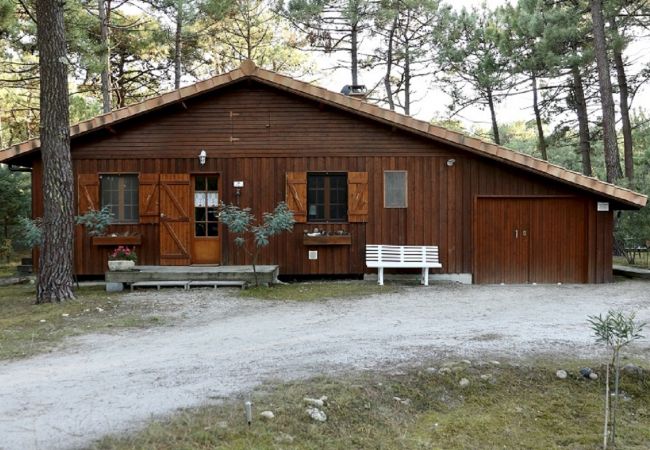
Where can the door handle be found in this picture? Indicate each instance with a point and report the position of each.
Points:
(516, 234)
(524, 233)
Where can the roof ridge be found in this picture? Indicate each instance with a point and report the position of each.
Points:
(248, 69)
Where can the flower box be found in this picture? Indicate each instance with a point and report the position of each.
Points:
(343, 239)
(133, 239)
(117, 265)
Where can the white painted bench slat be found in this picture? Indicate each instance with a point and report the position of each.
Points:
(402, 256)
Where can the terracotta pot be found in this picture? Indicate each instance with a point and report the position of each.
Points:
(120, 265)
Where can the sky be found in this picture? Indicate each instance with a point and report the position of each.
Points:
(433, 102)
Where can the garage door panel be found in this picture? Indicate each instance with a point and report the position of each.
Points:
(520, 240)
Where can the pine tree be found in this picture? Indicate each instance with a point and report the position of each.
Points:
(55, 265)
(473, 68)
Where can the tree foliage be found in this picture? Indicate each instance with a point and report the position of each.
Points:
(253, 235)
(616, 330)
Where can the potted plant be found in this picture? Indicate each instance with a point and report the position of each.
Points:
(122, 258)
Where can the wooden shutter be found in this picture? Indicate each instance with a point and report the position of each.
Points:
(149, 194)
(357, 196)
(296, 195)
(87, 192)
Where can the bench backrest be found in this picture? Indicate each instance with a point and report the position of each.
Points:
(402, 253)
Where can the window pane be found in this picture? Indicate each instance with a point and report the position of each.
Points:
(199, 214)
(199, 184)
(212, 183)
(200, 229)
(327, 197)
(213, 229)
(213, 214)
(395, 189)
(120, 194)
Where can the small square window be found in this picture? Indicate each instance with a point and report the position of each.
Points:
(395, 189)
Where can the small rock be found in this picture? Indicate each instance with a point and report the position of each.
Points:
(65, 315)
(42, 320)
(585, 372)
(268, 415)
(397, 399)
(314, 401)
(432, 369)
(632, 369)
(486, 376)
(495, 363)
(283, 438)
(98, 309)
(561, 374)
(444, 370)
(593, 376)
(464, 382)
(316, 414)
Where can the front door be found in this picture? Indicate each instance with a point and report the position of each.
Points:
(206, 241)
(174, 219)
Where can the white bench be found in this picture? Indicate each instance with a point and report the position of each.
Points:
(403, 257)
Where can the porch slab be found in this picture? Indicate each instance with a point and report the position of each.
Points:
(266, 274)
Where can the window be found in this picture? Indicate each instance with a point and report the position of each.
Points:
(206, 202)
(120, 194)
(327, 197)
(395, 185)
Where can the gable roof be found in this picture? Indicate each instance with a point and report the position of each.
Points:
(248, 70)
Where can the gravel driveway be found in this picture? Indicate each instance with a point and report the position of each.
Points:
(224, 345)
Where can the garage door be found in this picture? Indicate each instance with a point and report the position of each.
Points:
(530, 240)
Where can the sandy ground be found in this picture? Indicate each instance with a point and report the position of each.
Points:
(220, 345)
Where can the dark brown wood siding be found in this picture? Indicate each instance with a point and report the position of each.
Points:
(257, 135)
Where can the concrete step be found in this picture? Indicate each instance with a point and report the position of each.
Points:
(159, 284)
(216, 283)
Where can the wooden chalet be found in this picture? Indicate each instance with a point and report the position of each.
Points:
(360, 173)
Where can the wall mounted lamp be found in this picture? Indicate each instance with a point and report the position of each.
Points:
(202, 157)
(451, 162)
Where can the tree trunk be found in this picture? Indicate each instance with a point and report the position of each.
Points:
(583, 121)
(178, 44)
(541, 141)
(354, 59)
(493, 115)
(106, 58)
(624, 95)
(610, 144)
(407, 80)
(389, 66)
(55, 268)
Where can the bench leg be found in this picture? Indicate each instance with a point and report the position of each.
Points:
(425, 272)
(380, 276)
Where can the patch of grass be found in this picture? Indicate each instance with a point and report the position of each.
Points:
(318, 290)
(27, 329)
(514, 408)
(8, 269)
(641, 261)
